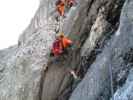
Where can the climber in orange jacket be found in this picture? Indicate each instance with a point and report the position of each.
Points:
(60, 7)
(60, 45)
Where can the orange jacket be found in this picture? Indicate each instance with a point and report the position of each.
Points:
(61, 8)
(66, 42)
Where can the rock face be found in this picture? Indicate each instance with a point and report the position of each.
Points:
(28, 73)
(114, 55)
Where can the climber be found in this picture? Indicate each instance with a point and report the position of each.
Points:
(60, 45)
(60, 7)
(70, 3)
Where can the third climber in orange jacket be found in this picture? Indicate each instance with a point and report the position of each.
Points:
(60, 6)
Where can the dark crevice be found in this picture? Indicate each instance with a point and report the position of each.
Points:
(113, 15)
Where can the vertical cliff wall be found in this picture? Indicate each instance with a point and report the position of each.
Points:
(28, 73)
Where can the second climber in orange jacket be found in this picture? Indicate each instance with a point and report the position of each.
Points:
(60, 6)
(60, 45)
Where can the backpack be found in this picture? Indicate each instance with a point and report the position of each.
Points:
(56, 44)
(57, 48)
